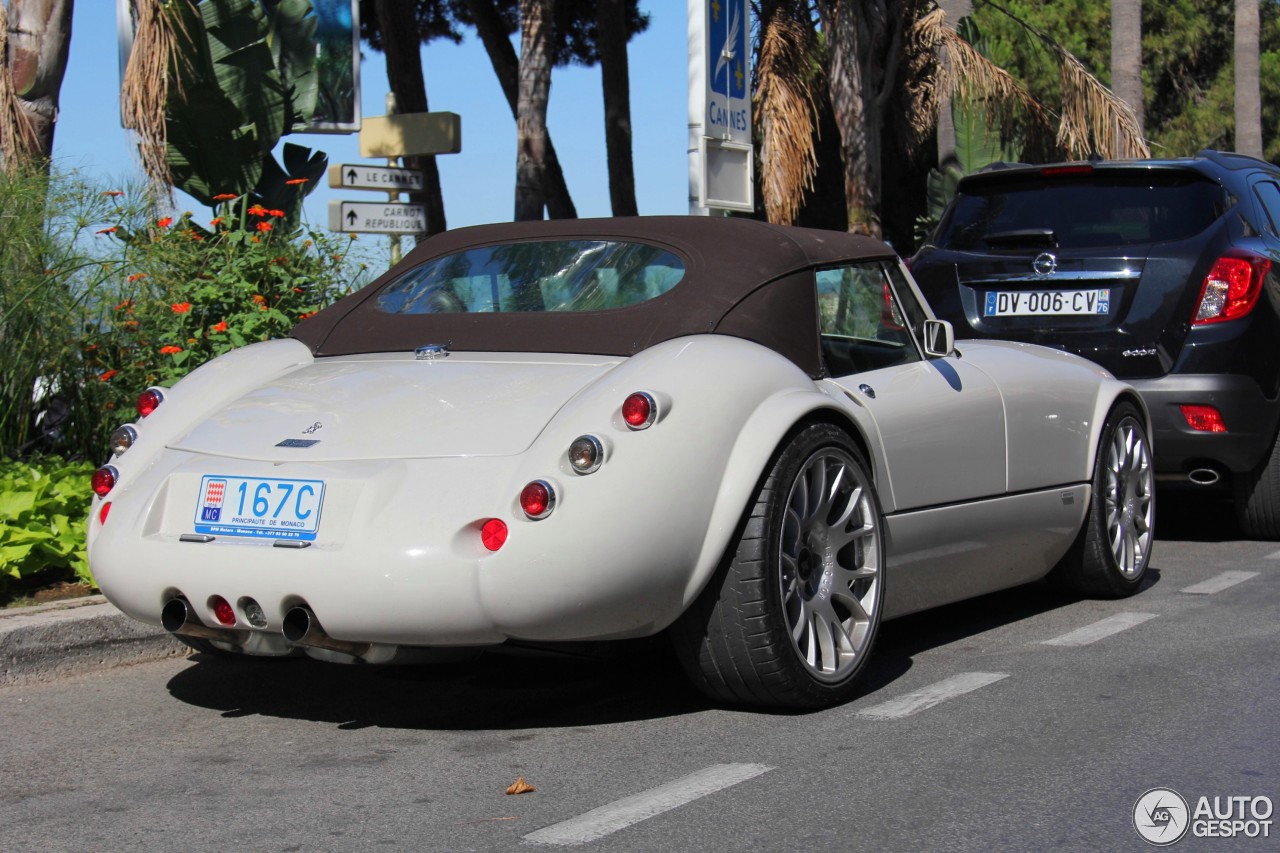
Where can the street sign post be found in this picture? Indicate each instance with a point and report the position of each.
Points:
(357, 176)
(411, 134)
(377, 217)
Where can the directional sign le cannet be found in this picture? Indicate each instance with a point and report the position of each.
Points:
(377, 217)
(356, 176)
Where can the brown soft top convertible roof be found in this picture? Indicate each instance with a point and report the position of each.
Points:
(743, 278)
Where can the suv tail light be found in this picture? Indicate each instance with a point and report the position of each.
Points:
(1231, 289)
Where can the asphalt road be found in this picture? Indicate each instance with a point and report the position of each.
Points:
(1020, 721)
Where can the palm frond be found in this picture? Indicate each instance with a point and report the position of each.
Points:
(144, 95)
(1093, 118)
(786, 110)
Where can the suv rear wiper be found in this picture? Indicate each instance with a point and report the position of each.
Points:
(1023, 237)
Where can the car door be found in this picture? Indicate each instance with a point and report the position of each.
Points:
(940, 420)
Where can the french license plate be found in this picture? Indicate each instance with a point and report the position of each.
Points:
(259, 506)
(1039, 303)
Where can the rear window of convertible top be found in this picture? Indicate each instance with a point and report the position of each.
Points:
(559, 275)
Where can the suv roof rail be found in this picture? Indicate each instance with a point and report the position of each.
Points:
(1232, 160)
(1001, 165)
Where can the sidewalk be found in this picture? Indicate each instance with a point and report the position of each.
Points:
(79, 635)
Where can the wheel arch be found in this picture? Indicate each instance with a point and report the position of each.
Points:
(774, 425)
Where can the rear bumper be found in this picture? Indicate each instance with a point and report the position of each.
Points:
(1250, 417)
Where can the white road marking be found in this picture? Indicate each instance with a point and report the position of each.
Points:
(927, 697)
(1098, 630)
(1219, 583)
(620, 814)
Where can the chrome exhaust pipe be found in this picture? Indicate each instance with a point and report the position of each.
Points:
(303, 629)
(1204, 476)
(177, 617)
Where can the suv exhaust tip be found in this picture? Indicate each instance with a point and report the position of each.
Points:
(1204, 477)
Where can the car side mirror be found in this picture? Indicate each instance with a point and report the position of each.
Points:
(939, 339)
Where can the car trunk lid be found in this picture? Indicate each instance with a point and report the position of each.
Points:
(391, 405)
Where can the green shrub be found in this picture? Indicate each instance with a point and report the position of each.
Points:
(43, 505)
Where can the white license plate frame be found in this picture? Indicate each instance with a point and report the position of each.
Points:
(259, 507)
(1092, 302)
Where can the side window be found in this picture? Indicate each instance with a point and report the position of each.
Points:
(1269, 194)
(861, 320)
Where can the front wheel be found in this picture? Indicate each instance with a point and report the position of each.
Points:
(1111, 554)
(790, 616)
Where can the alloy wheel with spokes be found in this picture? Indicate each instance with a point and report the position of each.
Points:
(1129, 490)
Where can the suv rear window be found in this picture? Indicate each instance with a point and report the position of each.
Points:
(546, 275)
(1104, 208)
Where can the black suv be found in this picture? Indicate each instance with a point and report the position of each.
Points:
(1165, 272)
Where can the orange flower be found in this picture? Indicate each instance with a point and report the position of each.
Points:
(110, 230)
(138, 276)
(130, 324)
(113, 193)
(191, 340)
(224, 196)
(181, 307)
(257, 210)
(275, 212)
(166, 222)
(264, 226)
(259, 299)
(103, 377)
(219, 327)
(170, 350)
(306, 315)
(193, 235)
(292, 182)
(215, 222)
(298, 290)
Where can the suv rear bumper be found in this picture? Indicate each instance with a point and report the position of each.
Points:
(1250, 418)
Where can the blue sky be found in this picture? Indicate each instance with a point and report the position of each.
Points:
(478, 183)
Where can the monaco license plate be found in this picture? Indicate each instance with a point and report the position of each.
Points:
(1041, 303)
(259, 506)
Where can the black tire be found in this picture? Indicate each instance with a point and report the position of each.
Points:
(1112, 552)
(1257, 498)
(795, 564)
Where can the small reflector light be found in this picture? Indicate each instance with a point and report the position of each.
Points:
(122, 439)
(639, 410)
(586, 454)
(149, 400)
(102, 513)
(222, 610)
(1204, 418)
(537, 499)
(493, 533)
(104, 480)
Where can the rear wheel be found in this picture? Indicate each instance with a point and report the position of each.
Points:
(1111, 554)
(790, 616)
(1258, 498)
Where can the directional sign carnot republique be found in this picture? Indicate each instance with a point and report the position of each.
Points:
(377, 217)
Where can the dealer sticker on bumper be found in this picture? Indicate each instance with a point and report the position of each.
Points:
(259, 506)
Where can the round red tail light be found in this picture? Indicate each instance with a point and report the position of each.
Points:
(222, 610)
(149, 400)
(538, 499)
(639, 410)
(493, 533)
(104, 480)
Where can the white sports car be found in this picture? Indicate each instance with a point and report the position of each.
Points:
(755, 438)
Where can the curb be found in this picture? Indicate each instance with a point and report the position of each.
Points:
(82, 635)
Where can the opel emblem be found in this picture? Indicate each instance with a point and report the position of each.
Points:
(1045, 264)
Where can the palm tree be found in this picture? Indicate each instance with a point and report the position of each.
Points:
(1126, 55)
(401, 44)
(1247, 95)
(898, 57)
(34, 40)
(531, 108)
(611, 28)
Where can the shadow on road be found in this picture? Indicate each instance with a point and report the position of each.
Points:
(1196, 516)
